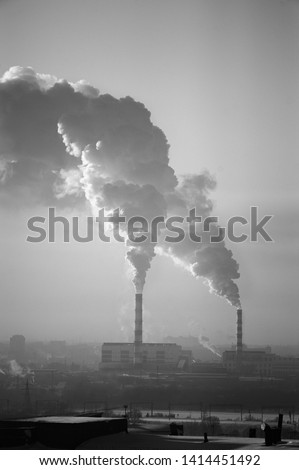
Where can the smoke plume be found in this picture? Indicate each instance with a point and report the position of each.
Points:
(65, 141)
(211, 261)
(205, 342)
(124, 164)
(16, 370)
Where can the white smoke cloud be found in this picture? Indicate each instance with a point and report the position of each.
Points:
(63, 140)
(68, 183)
(16, 370)
(209, 260)
(6, 170)
(31, 152)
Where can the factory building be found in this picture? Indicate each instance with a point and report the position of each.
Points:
(253, 362)
(284, 366)
(143, 355)
(259, 362)
(150, 355)
(262, 363)
(243, 361)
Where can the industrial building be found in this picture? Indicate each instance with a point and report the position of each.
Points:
(143, 355)
(240, 361)
(243, 361)
(251, 362)
(259, 362)
(150, 354)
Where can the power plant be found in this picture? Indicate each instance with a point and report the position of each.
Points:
(150, 355)
(145, 355)
(237, 361)
(244, 361)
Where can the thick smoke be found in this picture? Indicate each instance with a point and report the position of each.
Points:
(31, 151)
(66, 140)
(124, 165)
(210, 260)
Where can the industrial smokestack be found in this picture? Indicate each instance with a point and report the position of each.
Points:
(239, 332)
(138, 329)
(138, 318)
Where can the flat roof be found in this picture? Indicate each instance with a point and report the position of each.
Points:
(67, 419)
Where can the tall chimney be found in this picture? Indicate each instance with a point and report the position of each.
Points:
(138, 329)
(138, 318)
(239, 332)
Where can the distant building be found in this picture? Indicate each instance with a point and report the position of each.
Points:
(252, 362)
(257, 361)
(285, 366)
(153, 354)
(260, 362)
(17, 348)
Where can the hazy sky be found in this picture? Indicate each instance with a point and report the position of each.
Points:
(221, 80)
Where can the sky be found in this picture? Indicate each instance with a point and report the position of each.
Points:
(221, 81)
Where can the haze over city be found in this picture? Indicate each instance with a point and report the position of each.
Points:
(220, 80)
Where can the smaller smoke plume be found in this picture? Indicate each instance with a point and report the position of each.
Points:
(2, 372)
(205, 342)
(216, 264)
(211, 261)
(18, 371)
(15, 369)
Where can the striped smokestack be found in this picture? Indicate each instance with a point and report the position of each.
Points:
(138, 329)
(239, 332)
(138, 318)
